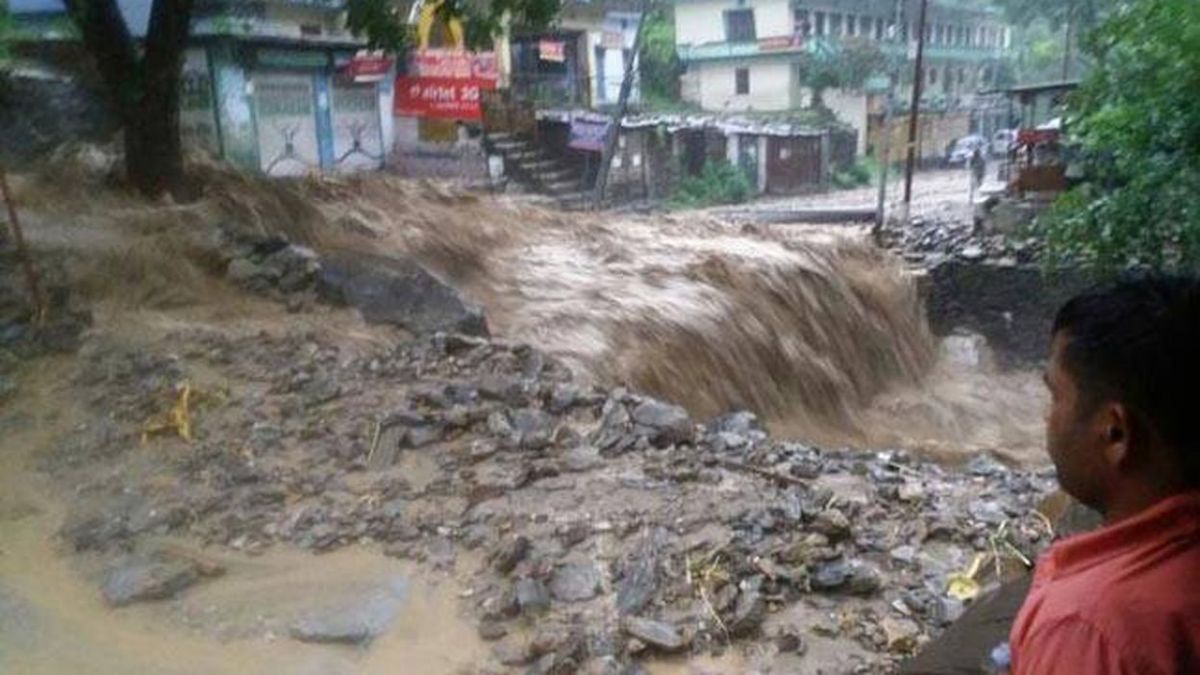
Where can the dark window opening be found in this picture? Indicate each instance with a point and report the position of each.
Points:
(739, 25)
(741, 78)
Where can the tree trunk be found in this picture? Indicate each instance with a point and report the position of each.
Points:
(145, 89)
(153, 148)
(614, 131)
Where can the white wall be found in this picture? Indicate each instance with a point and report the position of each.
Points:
(851, 108)
(703, 21)
(770, 85)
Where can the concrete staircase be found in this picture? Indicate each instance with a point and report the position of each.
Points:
(538, 172)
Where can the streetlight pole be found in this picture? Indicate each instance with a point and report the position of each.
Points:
(885, 154)
(918, 82)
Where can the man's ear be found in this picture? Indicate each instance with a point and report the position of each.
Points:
(1117, 434)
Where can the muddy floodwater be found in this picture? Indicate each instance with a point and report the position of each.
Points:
(745, 436)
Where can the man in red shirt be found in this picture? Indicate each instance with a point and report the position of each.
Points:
(1123, 431)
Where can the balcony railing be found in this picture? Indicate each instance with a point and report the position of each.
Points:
(782, 45)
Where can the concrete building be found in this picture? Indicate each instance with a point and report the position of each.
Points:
(746, 56)
(581, 62)
(273, 85)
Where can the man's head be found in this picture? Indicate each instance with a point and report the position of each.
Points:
(1124, 425)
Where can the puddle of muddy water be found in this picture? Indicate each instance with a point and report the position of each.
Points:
(56, 622)
(53, 619)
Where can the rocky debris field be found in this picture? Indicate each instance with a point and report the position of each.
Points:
(590, 530)
(932, 239)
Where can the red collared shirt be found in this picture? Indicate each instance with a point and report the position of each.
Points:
(1122, 599)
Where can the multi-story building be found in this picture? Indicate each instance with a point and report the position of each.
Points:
(749, 55)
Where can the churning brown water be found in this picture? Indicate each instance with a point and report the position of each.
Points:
(815, 329)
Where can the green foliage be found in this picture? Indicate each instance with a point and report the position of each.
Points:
(1137, 119)
(380, 22)
(6, 30)
(383, 25)
(1086, 14)
(856, 175)
(852, 62)
(718, 183)
(659, 62)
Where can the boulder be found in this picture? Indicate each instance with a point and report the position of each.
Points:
(353, 620)
(657, 634)
(665, 424)
(399, 292)
(575, 582)
(140, 579)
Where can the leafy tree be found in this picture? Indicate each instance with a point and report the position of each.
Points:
(847, 65)
(382, 23)
(659, 62)
(1137, 119)
(5, 30)
(143, 77)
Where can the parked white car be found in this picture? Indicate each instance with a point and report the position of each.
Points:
(1002, 141)
(960, 153)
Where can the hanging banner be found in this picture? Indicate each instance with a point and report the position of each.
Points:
(456, 63)
(368, 67)
(554, 51)
(445, 98)
(588, 132)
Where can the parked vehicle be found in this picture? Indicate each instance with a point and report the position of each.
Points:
(960, 153)
(1002, 142)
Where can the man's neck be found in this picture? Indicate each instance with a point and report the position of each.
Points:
(1137, 497)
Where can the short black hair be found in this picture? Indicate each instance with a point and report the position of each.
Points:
(1137, 341)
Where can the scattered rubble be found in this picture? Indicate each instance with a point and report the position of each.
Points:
(609, 523)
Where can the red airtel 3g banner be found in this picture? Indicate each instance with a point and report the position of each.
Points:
(448, 98)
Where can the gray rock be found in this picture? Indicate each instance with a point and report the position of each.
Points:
(575, 582)
(534, 428)
(657, 634)
(564, 397)
(830, 576)
(421, 436)
(511, 552)
(741, 423)
(833, 524)
(639, 574)
(140, 579)
(581, 458)
(398, 291)
(667, 424)
(355, 620)
(790, 640)
(863, 580)
(750, 611)
(532, 596)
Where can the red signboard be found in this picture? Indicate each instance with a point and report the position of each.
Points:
(368, 68)
(446, 98)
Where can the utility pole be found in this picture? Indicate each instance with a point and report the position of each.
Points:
(885, 152)
(614, 129)
(918, 85)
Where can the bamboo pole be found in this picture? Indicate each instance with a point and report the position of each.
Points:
(31, 273)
